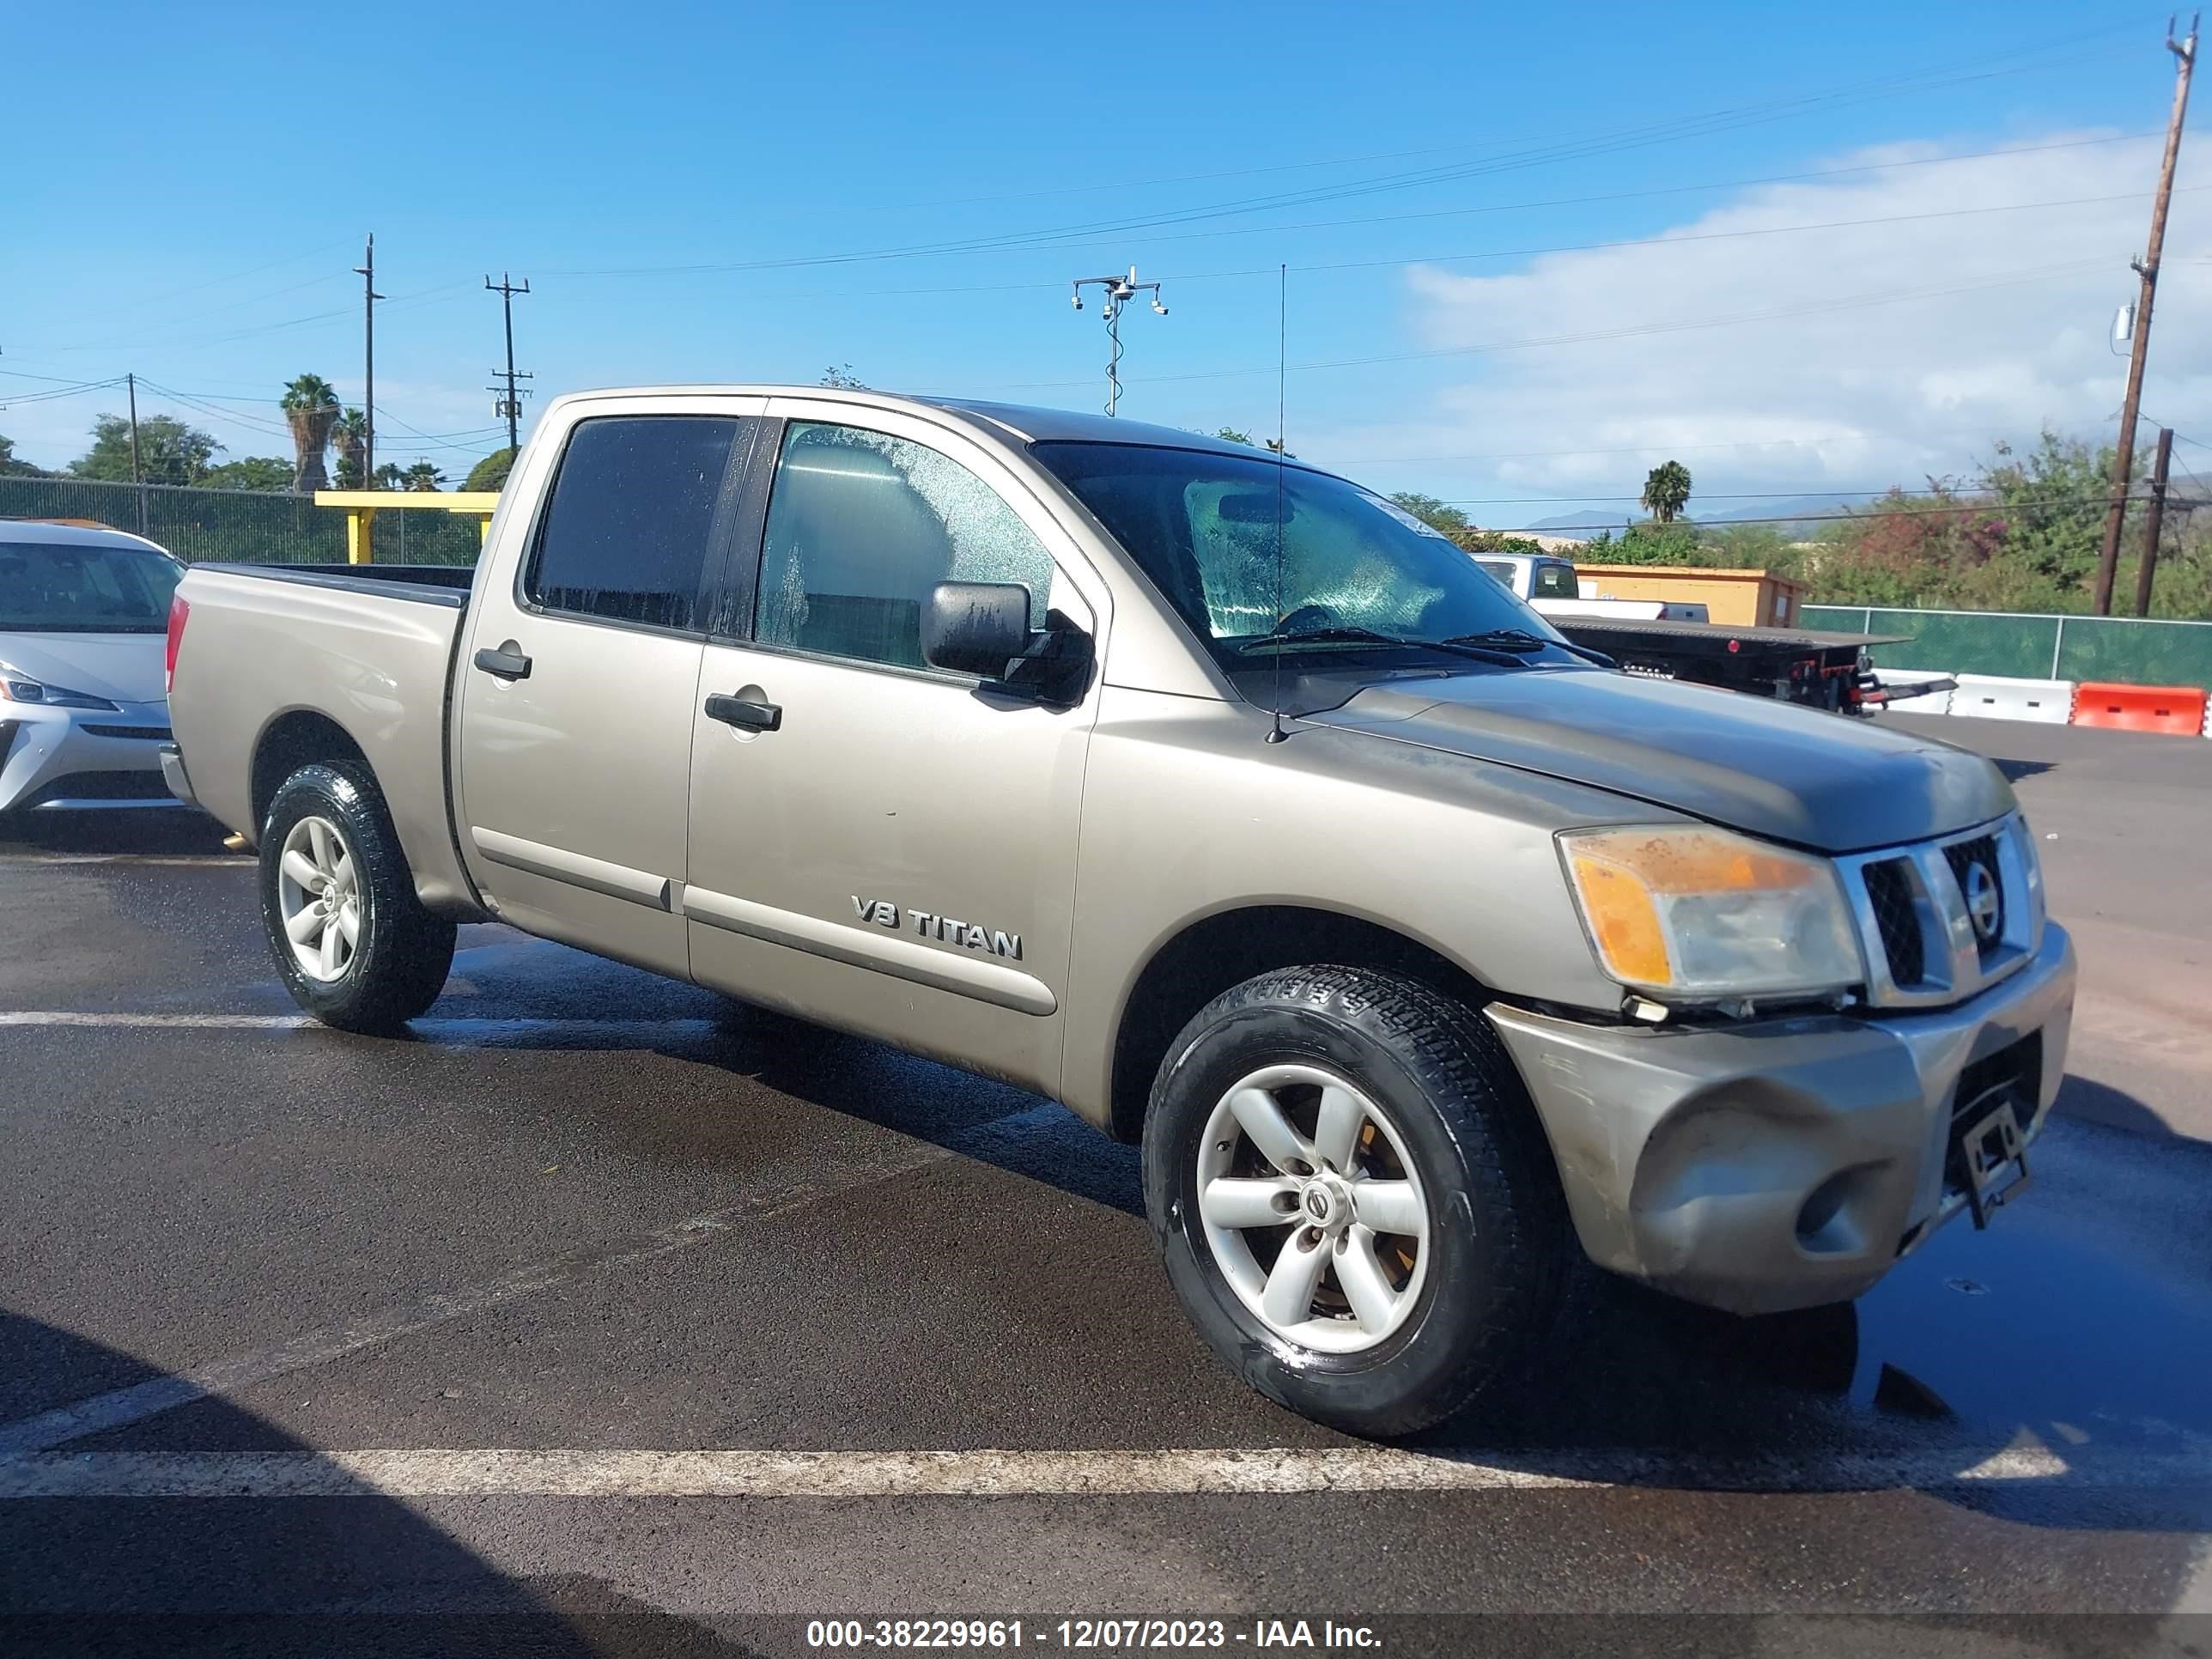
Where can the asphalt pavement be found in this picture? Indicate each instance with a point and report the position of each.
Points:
(600, 1314)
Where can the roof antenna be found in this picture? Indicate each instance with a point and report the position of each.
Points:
(1276, 734)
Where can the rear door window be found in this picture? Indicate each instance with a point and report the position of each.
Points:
(636, 510)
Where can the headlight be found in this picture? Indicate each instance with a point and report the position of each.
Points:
(2031, 870)
(14, 688)
(1683, 912)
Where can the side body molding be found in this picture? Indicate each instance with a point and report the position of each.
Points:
(596, 875)
(902, 958)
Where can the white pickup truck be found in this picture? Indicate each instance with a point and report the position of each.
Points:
(1550, 587)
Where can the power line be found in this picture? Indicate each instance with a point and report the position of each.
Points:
(1338, 161)
(1856, 302)
(1631, 139)
(1858, 517)
(213, 311)
(1490, 208)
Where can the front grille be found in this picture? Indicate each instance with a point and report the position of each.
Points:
(101, 786)
(1965, 858)
(143, 733)
(1889, 888)
(1916, 909)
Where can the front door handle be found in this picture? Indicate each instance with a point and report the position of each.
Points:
(744, 713)
(507, 663)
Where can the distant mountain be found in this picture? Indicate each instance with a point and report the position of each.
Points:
(1583, 521)
(1804, 512)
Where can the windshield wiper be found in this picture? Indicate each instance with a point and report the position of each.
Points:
(1520, 639)
(1473, 647)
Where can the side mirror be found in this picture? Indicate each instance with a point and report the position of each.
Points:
(976, 628)
(983, 628)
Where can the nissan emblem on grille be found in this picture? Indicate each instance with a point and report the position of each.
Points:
(1984, 901)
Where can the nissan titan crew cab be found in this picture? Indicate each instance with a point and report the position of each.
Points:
(1429, 960)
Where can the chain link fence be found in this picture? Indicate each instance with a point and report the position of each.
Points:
(239, 527)
(2126, 649)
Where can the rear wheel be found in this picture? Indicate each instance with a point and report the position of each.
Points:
(1353, 1199)
(352, 942)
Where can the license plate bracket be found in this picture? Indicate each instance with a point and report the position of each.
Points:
(1993, 1158)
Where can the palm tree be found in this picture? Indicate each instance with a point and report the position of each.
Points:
(423, 477)
(350, 434)
(1667, 491)
(390, 476)
(311, 410)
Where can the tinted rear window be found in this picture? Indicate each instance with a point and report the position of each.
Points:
(64, 587)
(633, 519)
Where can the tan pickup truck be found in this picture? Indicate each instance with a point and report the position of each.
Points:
(1429, 960)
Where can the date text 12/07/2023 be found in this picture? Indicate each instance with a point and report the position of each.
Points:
(1088, 1634)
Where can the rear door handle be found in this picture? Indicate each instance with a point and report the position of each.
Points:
(506, 663)
(744, 713)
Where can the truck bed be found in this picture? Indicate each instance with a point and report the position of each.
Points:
(1708, 639)
(272, 650)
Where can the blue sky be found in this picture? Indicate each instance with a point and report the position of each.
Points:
(709, 192)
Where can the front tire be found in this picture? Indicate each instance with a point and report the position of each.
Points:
(1353, 1198)
(352, 942)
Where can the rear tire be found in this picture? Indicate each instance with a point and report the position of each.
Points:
(1450, 1188)
(352, 942)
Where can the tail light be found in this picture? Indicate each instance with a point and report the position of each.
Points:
(179, 612)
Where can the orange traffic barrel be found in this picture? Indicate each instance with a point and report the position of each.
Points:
(2175, 709)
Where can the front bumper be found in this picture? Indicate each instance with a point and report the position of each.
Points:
(68, 759)
(1786, 1163)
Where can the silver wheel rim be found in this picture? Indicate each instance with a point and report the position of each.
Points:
(318, 896)
(1314, 1209)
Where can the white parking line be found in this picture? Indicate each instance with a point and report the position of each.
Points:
(472, 1026)
(847, 1474)
(211, 861)
(772, 1192)
(186, 1021)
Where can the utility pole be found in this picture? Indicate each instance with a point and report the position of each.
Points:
(1120, 290)
(2153, 520)
(138, 485)
(2116, 512)
(509, 406)
(366, 272)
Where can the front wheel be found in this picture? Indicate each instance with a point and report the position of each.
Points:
(1353, 1198)
(353, 943)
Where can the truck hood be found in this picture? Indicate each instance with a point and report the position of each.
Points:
(121, 668)
(1814, 780)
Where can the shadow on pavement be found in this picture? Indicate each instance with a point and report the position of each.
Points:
(2100, 1102)
(188, 1576)
(149, 832)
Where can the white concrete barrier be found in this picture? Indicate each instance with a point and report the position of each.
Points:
(1900, 681)
(1998, 696)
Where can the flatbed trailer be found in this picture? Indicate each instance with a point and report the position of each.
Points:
(1796, 665)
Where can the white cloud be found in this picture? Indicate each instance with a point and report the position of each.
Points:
(2005, 331)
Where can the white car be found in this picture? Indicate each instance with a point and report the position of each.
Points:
(84, 705)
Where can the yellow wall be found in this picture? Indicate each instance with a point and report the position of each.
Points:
(1734, 598)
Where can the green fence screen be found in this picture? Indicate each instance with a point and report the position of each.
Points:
(239, 527)
(2125, 649)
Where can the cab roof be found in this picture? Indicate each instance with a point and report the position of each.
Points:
(1024, 422)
